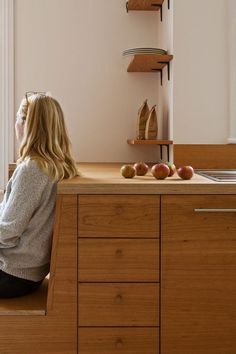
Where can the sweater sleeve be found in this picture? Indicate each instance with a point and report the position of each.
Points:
(26, 192)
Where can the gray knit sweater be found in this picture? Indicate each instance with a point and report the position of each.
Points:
(26, 222)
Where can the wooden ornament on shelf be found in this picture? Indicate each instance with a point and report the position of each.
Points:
(143, 114)
(151, 125)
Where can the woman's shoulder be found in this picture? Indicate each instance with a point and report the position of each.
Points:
(26, 165)
(30, 167)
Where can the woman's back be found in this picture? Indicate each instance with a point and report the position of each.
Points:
(27, 218)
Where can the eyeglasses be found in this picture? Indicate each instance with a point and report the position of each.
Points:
(30, 93)
(27, 95)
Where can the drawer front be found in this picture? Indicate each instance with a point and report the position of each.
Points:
(118, 259)
(119, 216)
(118, 304)
(201, 218)
(118, 340)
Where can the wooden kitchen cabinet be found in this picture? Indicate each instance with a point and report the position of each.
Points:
(198, 274)
(149, 271)
(118, 274)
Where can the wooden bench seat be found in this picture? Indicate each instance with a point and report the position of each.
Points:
(30, 304)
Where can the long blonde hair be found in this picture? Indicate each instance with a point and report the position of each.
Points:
(45, 138)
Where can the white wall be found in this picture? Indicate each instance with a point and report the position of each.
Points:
(201, 85)
(73, 49)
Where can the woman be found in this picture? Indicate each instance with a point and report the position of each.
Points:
(28, 207)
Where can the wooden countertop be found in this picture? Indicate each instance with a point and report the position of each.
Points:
(105, 178)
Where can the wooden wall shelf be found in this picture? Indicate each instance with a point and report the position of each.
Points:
(144, 5)
(157, 142)
(150, 63)
(149, 142)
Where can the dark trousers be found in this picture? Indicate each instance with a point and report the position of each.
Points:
(11, 286)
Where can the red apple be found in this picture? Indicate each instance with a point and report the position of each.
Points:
(127, 171)
(160, 171)
(141, 168)
(185, 172)
(172, 168)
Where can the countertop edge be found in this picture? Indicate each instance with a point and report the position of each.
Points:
(214, 188)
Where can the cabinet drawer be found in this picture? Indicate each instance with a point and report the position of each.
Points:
(119, 216)
(118, 304)
(118, 340)
(118, 259)
(206, 217)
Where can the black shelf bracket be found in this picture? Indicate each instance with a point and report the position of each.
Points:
(168, 67)
(168, 4)
(127, 6)
(161, 72)
(168, 151)
(161, 11)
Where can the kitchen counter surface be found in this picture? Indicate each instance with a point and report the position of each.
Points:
(105, 178)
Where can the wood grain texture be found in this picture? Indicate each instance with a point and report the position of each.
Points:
(198, 288)
(118, 340)
(106, 179)
(205, 156)
(144, 5)
(56, 332)
(149, 142)
(68, 217)
(118, 259)
(118, 216)
(148, 62)
(118, 304)
(30, 304)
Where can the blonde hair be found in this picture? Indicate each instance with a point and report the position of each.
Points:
(45, 138)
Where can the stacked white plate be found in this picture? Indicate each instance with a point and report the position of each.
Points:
(134, 51)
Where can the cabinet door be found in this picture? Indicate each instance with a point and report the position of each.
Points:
(198, 280)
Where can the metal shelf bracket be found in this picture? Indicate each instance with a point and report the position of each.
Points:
(161, 11)
(161, 72)
(168, 151)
